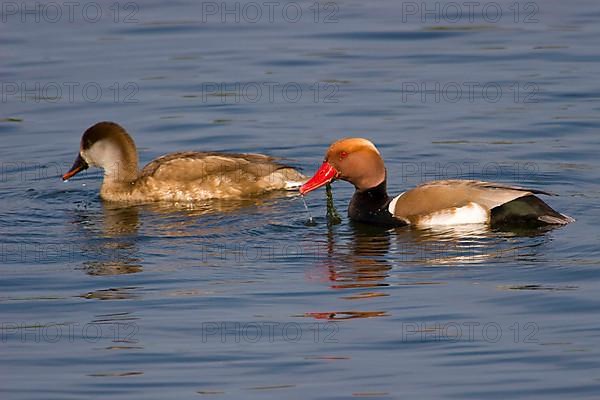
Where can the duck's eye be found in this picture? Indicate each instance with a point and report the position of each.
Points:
(343, 155)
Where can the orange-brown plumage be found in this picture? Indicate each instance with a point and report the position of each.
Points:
(445, 202)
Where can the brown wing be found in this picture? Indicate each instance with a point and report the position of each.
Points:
(437, 196)
(191, 166)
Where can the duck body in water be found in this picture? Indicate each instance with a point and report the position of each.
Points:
(177, 177)
(437, 203)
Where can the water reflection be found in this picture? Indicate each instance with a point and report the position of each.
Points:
(363, 260)
(111, 235)
(341, 315)
(207, 218)
(359, 266)
(120, 293)
(109, 243)
(363, 256)
(462, 244)
(466, 244)
(120, 222)
(366, 264)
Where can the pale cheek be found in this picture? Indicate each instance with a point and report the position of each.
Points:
(103, 156)
(87, 158)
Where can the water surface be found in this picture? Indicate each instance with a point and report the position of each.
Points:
(243, 299)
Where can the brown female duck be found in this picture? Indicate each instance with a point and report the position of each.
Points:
(446, 202)
(179, 177)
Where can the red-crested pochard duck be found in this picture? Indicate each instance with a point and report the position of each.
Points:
(444, 202)
(177, 177)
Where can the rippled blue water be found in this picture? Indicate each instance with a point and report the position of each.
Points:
(243, 299)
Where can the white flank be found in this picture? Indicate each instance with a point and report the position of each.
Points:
(392, 205)
(292, 185)
(472, 213)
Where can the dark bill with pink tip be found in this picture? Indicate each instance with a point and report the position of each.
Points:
(78, 166)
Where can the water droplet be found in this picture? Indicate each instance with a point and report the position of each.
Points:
(311, 220)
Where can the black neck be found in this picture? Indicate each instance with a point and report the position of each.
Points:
(371, 206)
